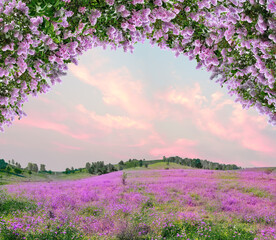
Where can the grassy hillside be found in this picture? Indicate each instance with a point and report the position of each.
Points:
(163, 165)
(9, 178)
(159, 165)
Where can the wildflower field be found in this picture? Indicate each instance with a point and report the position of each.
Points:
(148, 204)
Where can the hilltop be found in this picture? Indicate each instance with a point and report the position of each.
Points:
(12, 171)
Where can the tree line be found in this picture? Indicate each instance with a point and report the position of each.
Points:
(132, 163)
(14, 167)
(198, 163)
(99, 167)
(190, 162)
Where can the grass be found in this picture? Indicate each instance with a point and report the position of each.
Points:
(92, 211)
(256, 192)
(63, 232)
(163, 165)
(206, 229)
(9, 178)
(10, 204)
(228, 175)
(160, 166)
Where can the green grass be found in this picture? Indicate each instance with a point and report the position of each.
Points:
(256, 192)
(10, 178)
(92, 211)
(159, 166)
(228, 175)
(163, 165)
(206, 230)
(10, 204)
(71, 176)
(63, 232)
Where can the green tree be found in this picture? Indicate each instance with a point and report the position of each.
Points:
(35, 167)
(3, 164)
(42, 168)
(88, 167)
(198, 163)
(17, 170)
(30, 167)
(8, 169)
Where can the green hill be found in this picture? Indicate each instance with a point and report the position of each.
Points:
(164, 165)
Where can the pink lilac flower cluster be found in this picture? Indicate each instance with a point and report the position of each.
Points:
(232, 39)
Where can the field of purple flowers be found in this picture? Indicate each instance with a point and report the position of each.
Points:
(150, 204)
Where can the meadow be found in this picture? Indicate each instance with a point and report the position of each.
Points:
(143, 204)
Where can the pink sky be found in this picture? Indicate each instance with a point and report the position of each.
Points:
(116, 106)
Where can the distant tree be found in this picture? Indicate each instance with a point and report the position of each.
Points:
(164, 158)
(30, 171)
(8, 169)
(198, 163)
(67, 171)
(13, 162)
(35, 168)
(30, 166)
(146, 165)
(90, 170)
(42, 168)
(172, 159)
(17, 170)
(177, 160)
(3, 164)
(111, 168)
(141, 163)
(88, 166)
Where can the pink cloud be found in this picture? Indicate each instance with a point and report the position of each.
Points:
(191, 98)
(250, 129)
(118, 88)
(47, 125)
(261, 164)
(241, 127)
(63, 147)
(114, 122)
(181, 147)
(152, 139)
(44, 99)
(216, 96)
(186, 142)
